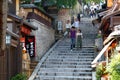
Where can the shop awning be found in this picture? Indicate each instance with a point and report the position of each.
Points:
(29, 25)
(115, 20)
(14, 17)
(108, 16)
(111, 36)
(101, 53)
(32, 6)
(103, 13)
(107, 40)
(98, 20)
(20, 20)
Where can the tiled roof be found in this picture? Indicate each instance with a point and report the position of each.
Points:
(35, 7)
(18, 19)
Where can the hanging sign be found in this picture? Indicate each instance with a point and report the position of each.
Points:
(30, 45)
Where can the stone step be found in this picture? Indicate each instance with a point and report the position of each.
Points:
(65, 69)
(64, 60)
(67, 62)
(69, 59)
(74, 51)
(65, 73)
(64, 66)
(63, 77)
(83, 46)
(71, 52)
(33, 64)
(68, 56)
(62, 73)
(71, 56)
(66, 45)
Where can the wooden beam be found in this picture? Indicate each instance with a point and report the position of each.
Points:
(3, 24)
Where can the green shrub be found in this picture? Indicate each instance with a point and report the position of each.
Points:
(114, 67)
(19, 77)
(100, 70)
(98, 36)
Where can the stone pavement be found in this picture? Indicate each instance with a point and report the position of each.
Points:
(59, 63)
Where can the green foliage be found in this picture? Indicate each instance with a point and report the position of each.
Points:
(19, 77)
(114, 67)
(58, 3)
(99, 36)
(66, 3)
(100, 70)
(39, 6)
(25, 1)
(96, 1)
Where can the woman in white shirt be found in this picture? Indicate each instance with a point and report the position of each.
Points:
(76, 24)
(68, 26)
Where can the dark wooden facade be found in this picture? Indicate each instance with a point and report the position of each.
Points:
(11, 55)
(110, 19)
(32, 15)
(12, 7)
(14, 49)
(3, 23)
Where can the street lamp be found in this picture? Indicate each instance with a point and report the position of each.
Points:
(8, 41)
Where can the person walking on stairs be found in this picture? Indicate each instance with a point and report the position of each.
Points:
(79, 37)
(68, 26)
(76, 24)
(72, 35)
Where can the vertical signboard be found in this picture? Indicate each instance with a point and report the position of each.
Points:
(30, 45)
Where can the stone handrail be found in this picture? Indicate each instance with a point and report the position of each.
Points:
(101, 53)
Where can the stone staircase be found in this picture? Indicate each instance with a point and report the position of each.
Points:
(62, 64)
(33, 64)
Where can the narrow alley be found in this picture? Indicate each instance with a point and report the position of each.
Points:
(59, 63)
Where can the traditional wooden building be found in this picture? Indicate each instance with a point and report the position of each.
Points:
(45, 35)
(16, 28)
(109, 26)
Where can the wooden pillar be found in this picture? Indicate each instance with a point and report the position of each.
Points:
(3, 25)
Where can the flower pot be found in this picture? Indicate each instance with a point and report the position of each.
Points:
(104, 77)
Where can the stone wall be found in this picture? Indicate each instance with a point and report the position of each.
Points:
(44, 38)
(64, 15)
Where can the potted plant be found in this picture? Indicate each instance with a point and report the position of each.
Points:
(19, 77)
(99, 41)
(101, 71)
(114, 67)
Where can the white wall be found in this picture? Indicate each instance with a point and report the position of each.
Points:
(45, 37)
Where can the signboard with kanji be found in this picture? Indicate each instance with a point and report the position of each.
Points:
(30, 45)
